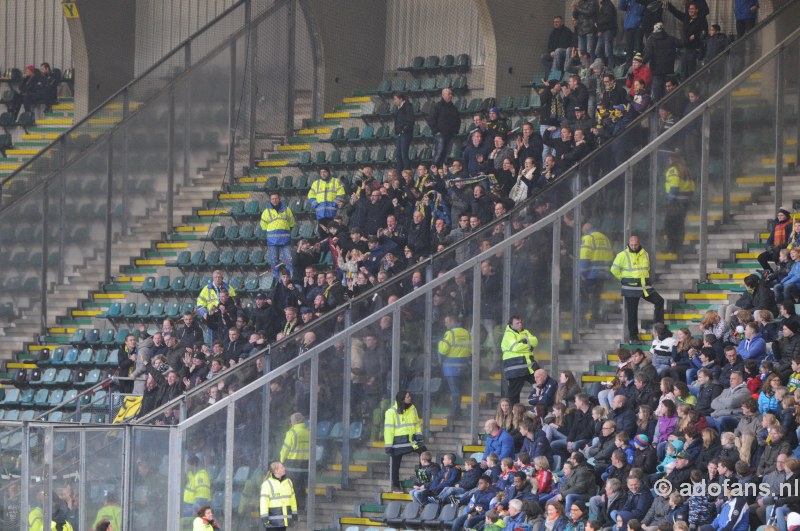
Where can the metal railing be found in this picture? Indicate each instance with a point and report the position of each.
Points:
(235, 436)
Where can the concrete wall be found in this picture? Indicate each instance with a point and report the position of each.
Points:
(516, 33)
(352, 35)
(103, 46)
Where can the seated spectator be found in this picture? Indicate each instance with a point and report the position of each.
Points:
(657, 512)
(580, 484)
(560, 45)
(778, 239)
(498, 441)
(447, 476)
(638, 70)
(753, 347)
(727, 407)
(644, 457)
(789, 286)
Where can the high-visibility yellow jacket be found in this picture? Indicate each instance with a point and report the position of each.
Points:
(112, 513)
(596, 254)
(679, 187)
(278, 502)
(323, 196)
(455, 348)
(278, 223)
(295, 444)
(633, 272)
(209, 295)
(399, 429)
(198, 487)
(35, 519)
(517, 350)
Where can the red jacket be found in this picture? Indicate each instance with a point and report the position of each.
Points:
(642, 73)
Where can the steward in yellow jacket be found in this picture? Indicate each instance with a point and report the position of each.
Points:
(278, 504)
(402, 433)
(518, 363)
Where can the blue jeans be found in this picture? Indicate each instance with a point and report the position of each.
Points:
(441, 149)
(586, 43)
(724, 423)
(402, 143)
(560, 61)
(454, 384)
(605, 47)
(691, 376)
(782, 513)
(688, 62)
(694, 389)
(277, 254)
(450, 491)
(572, 498)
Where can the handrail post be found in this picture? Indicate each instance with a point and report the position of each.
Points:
(291, 22)
(109, 209)
(312, 421)
(427, 352)
(555, 285)
(476, 349)
(346, 401)
(704, 154)
(779, 129)
(43, 264)
(171, 159)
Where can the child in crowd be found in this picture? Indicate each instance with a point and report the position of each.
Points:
(467, 483)
(542, 480)
(507, 472)
(715, 42)
(424, 473)
(492, 468)
(672, 448)
(523, 464)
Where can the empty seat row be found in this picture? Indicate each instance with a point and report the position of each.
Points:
(413, 515)
(73, 357)
(434, 64)
(80, 376)
(145, 311)
(430, 86)
(87, 417)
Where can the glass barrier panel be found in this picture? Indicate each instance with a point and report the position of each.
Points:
(217, 34)
(10, 488)
(251, 456)
(38, 470)
(203, 466)
(148, 490)
(70, 494)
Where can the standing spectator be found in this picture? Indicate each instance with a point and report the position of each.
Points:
(606, 31)
(444, 122)
(403, 131)
(632, 26)
(401, 425)
(476, 155)
(778, 239)
(277, 221)
(746, 13)
(632, 268)
(715, 42)
(586, 12)
(560, 44)
(659, 52)
(695, 29)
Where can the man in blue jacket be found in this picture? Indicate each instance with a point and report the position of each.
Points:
(753, 346)
(637, 503)
(746, 13)
(734, 513)
(498, 441)
(633, 27)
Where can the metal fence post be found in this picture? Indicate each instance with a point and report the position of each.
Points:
(25, 477)
(704, 154)
(395, 352)
(232, 115)
(230, 430)
(127, 474)
(555, 285)
(727, 139)
(313, 419)
(171, 159)
(653, 195)
(187, 116)
(779, 111)
(47, 472)
(291, 21)
(45, 252)
(62, 205)
(109, 209)
(346, 400)
(428, 354)
(476, 349)
(576, 274)
(252, 39)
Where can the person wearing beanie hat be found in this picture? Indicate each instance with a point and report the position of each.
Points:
(645, 456)
(496, 126)
(778, 239)
(639, 70)
(660, 51)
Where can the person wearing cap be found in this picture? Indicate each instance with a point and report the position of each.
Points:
(578, 96)
(445, 123)
(198, 370)
(660, 51)
(323, 194)
(639, 70)
(632, 268)
(778, 239)
(695, 29)
(277, 221)
(496, 124)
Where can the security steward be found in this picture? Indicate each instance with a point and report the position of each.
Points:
(277, 221)
(632, 268)
(402, 434)
(323, 194)
(595, 257)
(278, 503)
(518, 363)
(455, 351)
(198, 487)
(294, 454)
